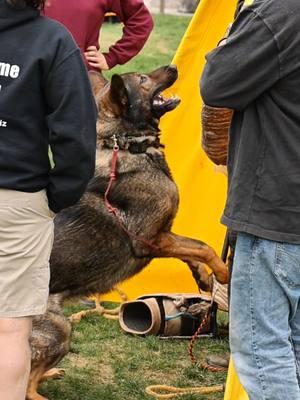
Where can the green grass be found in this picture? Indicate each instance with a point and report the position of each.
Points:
(104, 363)
(159, 49)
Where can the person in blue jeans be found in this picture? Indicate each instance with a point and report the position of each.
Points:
(256, 73)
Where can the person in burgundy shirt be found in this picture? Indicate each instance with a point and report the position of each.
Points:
(84, 19)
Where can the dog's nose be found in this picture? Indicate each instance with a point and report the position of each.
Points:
(171, 68)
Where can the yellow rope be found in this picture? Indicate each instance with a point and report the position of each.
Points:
(104, 312)
(168, 392)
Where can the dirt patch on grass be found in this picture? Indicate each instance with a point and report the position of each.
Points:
(103, 373)
(77, 360)
(164, 374)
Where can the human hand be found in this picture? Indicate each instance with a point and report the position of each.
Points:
(95, 58)
(222, 42)
(224, 39)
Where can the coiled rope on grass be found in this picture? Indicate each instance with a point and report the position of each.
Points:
(169, 392)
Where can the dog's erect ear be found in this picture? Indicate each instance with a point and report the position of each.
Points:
(128, 100)
(118, 91)
(97, 81)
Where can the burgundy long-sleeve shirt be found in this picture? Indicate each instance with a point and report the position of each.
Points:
(84, 18)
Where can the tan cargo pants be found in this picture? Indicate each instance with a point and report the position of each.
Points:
(26, 238)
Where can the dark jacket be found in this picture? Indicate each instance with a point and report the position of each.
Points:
(45, 98)
(257, 73)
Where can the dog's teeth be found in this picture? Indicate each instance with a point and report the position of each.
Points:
(158, 101)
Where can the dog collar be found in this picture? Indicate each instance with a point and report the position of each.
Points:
(133, 144)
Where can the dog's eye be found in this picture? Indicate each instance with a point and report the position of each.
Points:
(143, 79)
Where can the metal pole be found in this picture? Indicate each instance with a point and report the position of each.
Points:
(162, 6)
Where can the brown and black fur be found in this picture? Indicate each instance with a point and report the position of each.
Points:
(94, 249)
(92, 253)
(49, 342)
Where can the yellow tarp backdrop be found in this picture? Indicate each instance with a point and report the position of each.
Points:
(202, 189)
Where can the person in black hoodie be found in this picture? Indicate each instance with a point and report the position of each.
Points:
(45, 100)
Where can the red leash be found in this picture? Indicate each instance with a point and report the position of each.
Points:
(193, 359)
(197, 333)
(113, 210)
(113, 177)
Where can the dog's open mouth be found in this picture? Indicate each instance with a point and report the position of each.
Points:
(161, 104)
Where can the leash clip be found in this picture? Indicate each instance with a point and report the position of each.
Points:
(116, 146)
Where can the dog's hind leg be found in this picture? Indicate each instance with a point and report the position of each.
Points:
(190, 251)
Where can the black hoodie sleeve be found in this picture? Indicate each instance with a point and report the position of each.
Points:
(72, 128)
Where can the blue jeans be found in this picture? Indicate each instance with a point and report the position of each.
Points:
(265, 317)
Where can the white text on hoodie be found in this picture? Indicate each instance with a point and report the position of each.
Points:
(9, 70)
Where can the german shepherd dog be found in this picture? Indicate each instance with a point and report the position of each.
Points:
(124, 219)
